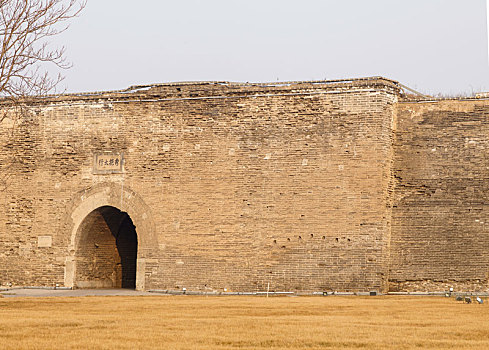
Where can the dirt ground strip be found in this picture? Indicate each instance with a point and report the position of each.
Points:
(38, 292)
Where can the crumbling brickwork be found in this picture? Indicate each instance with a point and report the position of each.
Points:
(306, 186)
(440, 226)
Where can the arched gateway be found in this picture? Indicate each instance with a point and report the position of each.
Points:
(106, 250)
(112, 234)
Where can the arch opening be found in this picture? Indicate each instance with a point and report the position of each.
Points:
(106, 251)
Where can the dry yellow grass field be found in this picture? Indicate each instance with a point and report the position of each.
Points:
(190, 322)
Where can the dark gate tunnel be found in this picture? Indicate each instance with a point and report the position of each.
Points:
(107, 250)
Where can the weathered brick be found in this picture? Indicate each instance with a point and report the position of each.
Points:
(301, 186)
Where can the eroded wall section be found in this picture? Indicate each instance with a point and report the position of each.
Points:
(440, 225)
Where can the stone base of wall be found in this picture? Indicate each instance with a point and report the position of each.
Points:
(439, 286)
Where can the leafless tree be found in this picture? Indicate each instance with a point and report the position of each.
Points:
(26, 27)
(26, 30)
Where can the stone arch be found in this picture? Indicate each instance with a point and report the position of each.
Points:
(85, 206)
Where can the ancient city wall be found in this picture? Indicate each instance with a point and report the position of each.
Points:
(440, 224)
(230, 186)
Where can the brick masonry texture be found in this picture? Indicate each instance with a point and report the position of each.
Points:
(440, 224)
(305, 186)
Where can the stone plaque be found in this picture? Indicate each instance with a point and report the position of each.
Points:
(44, 241)
(108, 163)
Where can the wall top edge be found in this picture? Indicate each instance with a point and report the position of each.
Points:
(420, 100)
(203, 89)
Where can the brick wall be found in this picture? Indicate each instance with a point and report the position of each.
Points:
(243, 185)
(440, 223)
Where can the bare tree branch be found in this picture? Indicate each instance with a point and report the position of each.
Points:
(25, 29)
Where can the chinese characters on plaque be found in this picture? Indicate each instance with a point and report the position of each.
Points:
(107, 163)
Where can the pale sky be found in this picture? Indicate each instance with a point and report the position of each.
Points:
(434, 46)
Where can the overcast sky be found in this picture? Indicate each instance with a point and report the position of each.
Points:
(434, 46)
